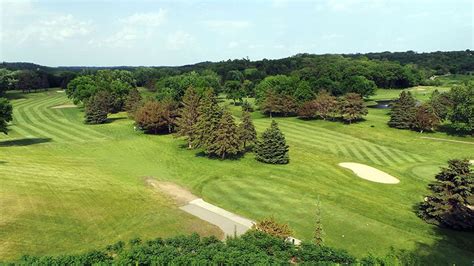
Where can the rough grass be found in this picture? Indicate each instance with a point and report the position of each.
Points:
(67, 186)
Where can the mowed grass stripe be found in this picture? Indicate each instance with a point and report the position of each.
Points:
(384, 160)
(58, 117)
(25, 123)
(41, 121)
(67, 127)
(396, 155)
(364, 151)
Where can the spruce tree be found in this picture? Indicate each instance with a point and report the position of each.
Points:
(133, 102)
(208, 120)
(403, 111)
(97, 108)
(272, 147)
(224, 141)
(247, 132)
(6, 110)
(450, 203)
(188, 116)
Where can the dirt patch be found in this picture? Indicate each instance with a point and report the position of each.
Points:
(179, 194)
(64, 106)
(370, 173)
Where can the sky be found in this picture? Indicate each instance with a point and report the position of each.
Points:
(170, 33)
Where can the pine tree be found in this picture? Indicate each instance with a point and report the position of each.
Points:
(272, 147)
(403, 111)
(97, 108)
(208, 120)
(224, 141)
(352, 107)
(247, 132)
(449, 205)
(318, 231)
(188, 116)
(133, 102)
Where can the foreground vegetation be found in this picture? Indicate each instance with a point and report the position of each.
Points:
(89, 190)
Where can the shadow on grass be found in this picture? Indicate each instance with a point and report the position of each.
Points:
(23, 142)
(450, 130)
(237, 157)
(451, 247)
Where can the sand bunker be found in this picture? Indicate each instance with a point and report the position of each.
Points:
(370, 173)
(64, 106)
(471, 162)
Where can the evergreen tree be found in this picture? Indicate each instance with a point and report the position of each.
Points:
(208, 120)
(5, 114)
(97, 108)
(272, 147)
(247, 132)
(352, 107)
(425, 118)
(449, 204)
(133, 102)
(188, 116)
(318, 231)
(441, 104)
(403, 111)
(224, 141)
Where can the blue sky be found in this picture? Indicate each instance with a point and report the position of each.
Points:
(106, 33)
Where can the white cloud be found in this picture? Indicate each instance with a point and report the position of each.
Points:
(151, 19)
(59, 28)
(233, 44)
(133, 28)
(179, 40)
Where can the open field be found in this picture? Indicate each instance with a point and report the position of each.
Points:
(69, 187)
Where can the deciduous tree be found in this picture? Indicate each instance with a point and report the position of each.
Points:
(425, 118)
(274, 228)
(155, 117)
(133, 102)
(352, 107)
(325, 105)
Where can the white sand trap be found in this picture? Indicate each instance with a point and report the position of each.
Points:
(370, 173)
(61, 91)
(471, 162)
(64, 106)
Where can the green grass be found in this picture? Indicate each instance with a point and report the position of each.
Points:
(68, 187)
(421, 93)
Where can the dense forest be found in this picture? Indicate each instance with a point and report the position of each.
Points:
(333, 72)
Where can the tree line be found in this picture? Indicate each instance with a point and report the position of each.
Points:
(204, 125)
(455, 106)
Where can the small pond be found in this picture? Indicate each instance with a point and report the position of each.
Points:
(382, 104)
